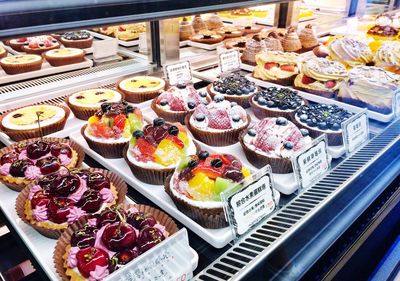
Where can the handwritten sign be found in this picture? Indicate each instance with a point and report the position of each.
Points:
(355, 131)
(105, 48)
(311, 163)
(180, 72)
(229, 61)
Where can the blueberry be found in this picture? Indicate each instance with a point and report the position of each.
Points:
(252, 132)
(191, 105)
(200, 117)
(203, 155)
(228, 92)
(173, 130)
(283, 106)
(288, 145)
(216, 163)
(219, 98)
(256, 98)
(270, 103)
(203, 94)
(192, 163)
(281, 121)
(246, 91)
(303, 117)
(304, 132)
(313, 122)
(129, 109)
(105, 107)
(138, 134)
(262, 101)
(335, 126)
(252, 88)
(163, 102)
(322, 125)
(158, 122)
(233, 104)
(181, 85)
(236, 118)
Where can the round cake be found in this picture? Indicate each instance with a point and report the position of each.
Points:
(141, 88)
(77, 39)
(21, 63)
(58, 57)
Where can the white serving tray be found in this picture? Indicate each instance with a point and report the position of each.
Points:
(246, 67)
(120, 42)
(208, 47)
(183, 43)
(14, 52)
(315, 98)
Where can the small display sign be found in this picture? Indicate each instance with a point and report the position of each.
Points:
(355, 131)
(396, 104)
(229, 61)
(105, 48)
(180, 72)
(311, 163)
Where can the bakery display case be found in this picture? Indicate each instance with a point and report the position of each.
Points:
(172, 140)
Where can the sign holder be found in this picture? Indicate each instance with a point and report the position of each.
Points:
(396, 104)
(180, 72)
(228, 62)
(355, 131)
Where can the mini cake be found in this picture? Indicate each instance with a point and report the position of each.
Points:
(77, 39)
(370, 87)
(177, 101)
(276, 102)
(277, 67)
(230, 32)
(321, 77)
(110, 128)
(388, 57)
(95, 247)
(272, 42)
(253, 46)
(141, 88)
(238, 43)
(308, 38)
(219, 123)
(207, 37)
(40, 44)
(250, 29)
(3, 53)
(155, 152)
(25, 161)
(273, 141)
(234, 87)
(64, 56)
(185, 29)
(86, 103)
(17, 44)
(22, 123)
(350, 52)
(55, 201)
(129, 32)
(291, 41)
(198, 24)
(321, 119)
(21, 63)
(214, 22)
(383, 29)
(197, 183)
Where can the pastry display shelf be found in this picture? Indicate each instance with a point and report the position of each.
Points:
(14, 52)
(208, 47)
(123, 43)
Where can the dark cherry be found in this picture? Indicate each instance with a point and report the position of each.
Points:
(89, 258)
(46, 181)
(122, 258)
(203, 155)
(60, 148)
(65, 185)
(110, 215)
(91, 201)
(149, 237)
(217, 163)
(59, 209)
(9, 157)
(98, 181)
(84, 237)
(37, 149)
(141, 220)
(173, 130)
(18, 168)
(41, 197)
(82, 173)
(119, 236)
(48, 165)
(233, 173)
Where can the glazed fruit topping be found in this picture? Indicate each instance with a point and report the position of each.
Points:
(269, 65)
(59, 209)
(48, 165)
(122, 258)
(89, 258)
(60, 148)
(280, 98)
(46, 181)
(119, 236)
(141, 220)
(307, 80)
(37, 149)
(40, 198)
(234, 84)
(64, 185)
(203, 155)
(9, 157)
(97, 181)
(110, 215)
(76, 35)
(287, 67)
(91, 201)
(84, 237)
(149, 237)
(18, 168)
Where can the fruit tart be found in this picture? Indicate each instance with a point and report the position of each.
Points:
(219, 123)
(234, 87)
(17, 43)
(141, 88)
(383, 28)
(64, 56)
(198, 181)
(276, 102)
(177, 101)
(154, 153)
(110, 128)
(54, 201)
(77, 39)
(25, 161)
(40, 44)
(96, 246)
(273, 141)
(34, 121)
(321, 119)
(86, 103)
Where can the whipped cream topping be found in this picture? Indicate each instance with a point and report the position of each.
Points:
(33, 190)
(5, 169)
(388, 54)
(107, 195)
(32, 172)
(74, 214)
(177, 100)
(77, 195)
(99, 273)
(323, 69)
(40, 213)
(71, 259)
(350, 51)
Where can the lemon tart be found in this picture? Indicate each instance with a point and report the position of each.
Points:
(58, 57)
(21, 63)
(141, 88)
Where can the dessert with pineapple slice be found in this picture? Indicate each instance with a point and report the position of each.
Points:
(110, 128)
(198, 181)
(141, 88)
(155, 151)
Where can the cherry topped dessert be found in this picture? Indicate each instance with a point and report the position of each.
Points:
(48, 165)
(84, 237)
(90, 258)
(118, 236)
(37, 149)
(18, 168)
(97, 181)
(64, 185)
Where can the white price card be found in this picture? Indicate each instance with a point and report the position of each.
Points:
(396, 103)
(312, 162)
(105, 48)
(180, 72)
(248, 205)
(170, 260)
(355, 131)
(229, 61)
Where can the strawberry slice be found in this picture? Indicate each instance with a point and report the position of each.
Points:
(119, 122)
(307, 80)
(287, 67)
(176, 140)
(269, 65)
(330, 84)
(146, 149)
(23, 39)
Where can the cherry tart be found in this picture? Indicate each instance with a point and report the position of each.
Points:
(96, 246)
(57, 200)
(23, 162)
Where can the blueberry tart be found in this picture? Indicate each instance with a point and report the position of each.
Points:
(77, 39)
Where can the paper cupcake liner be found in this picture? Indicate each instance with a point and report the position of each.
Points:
(80, 44)
(65, 239)
(278, 165)
(39, 51)
(325, 94)
(223, 138)
(178, 116)
(17, 184)
(243, 101)
(208, 218)
(54, 61)
(358, 103)
(3, 55)
(284, 82)
(107, 150)
(18, 135)
(263, 112)
(12, 69)
(119, 184)
(137, 97)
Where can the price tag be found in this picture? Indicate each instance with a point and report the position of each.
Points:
(171, 260)
(178, 72)
(143, 43)
(229, 61)
(396, 103)
(246, 206)
(355, 131)
(105, 48)
(311, 163)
